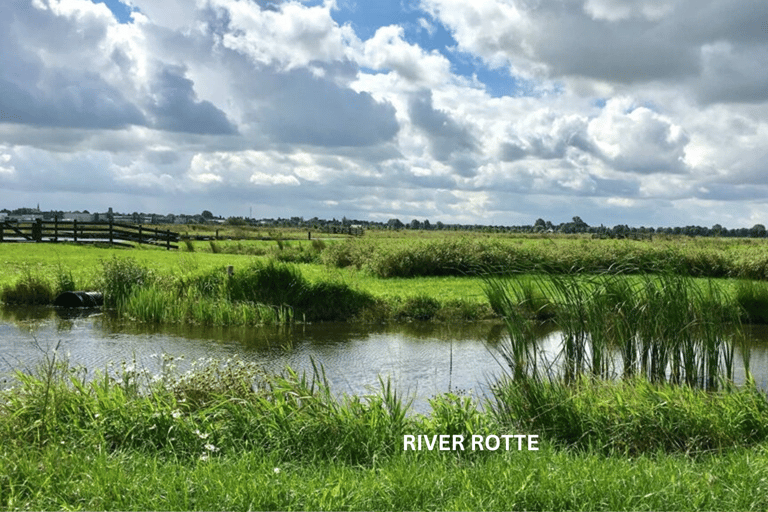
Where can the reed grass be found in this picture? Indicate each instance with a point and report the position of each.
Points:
(475, 255)
(664, 328)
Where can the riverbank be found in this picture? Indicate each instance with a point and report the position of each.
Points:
(370, 279)
(211, 440)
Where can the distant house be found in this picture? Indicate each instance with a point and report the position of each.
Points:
(79, 217)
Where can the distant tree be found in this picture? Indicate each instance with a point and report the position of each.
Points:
(207, 215)
(757, 231)
(395, 224)
(415, 224)
(236, 221)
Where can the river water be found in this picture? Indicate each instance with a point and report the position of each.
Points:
(420, 359)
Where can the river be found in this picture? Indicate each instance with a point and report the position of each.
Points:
(420, 359)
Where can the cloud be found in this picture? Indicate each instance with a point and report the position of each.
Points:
(638, 140)
(448, 141)
(623, 43)
(298, 107)
(175, 106)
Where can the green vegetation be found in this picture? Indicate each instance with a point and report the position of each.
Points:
(480, 254)
(227, 435)
(395, 276)
(665, 327)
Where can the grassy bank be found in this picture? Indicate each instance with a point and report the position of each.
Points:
(229, 436)
(440, 279)
(160, 286)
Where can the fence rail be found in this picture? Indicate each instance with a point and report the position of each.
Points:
(113, 233)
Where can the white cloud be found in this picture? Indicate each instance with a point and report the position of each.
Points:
(646, 109)
(387, 50)
(636, 139)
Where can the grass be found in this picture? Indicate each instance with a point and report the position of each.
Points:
(665, 327)
(354, 263)
(228, 436)
(476, 254)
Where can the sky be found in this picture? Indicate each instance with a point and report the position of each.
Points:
(640, 112)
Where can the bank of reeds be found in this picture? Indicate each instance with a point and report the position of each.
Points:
(32, 289)
(663, 328)
(634, 416)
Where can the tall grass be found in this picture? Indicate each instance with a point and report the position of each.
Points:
(475, 255)
(634, 416)
(264, 292)
(229, 435)
(662, 328)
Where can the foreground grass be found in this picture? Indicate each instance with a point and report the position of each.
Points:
(57, 478)
(227, 436)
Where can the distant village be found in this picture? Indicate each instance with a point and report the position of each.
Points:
(541, 226)
(32, 214)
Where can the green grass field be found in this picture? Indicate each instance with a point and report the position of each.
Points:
(229, 436)
(440, 274)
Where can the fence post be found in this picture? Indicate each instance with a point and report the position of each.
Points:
(74, 230)
(110, 232)
(140, 240)
(56, 228)
(168, 240)
(37, 230)
(2, 225)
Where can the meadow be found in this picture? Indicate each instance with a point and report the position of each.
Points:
(637, 410)
(383, 276)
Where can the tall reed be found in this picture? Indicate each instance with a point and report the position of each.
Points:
(662, 327)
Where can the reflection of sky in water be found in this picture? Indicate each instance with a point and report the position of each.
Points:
(421, 360)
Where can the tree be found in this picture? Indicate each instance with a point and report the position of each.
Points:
(757, 231)
(207, 215)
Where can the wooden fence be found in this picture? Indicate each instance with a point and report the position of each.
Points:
(85, 232)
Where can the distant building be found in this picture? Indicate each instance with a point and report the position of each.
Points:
(79, 217)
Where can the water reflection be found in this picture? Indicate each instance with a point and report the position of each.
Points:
(421, 359)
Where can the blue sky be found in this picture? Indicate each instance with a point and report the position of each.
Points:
(492, 111)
